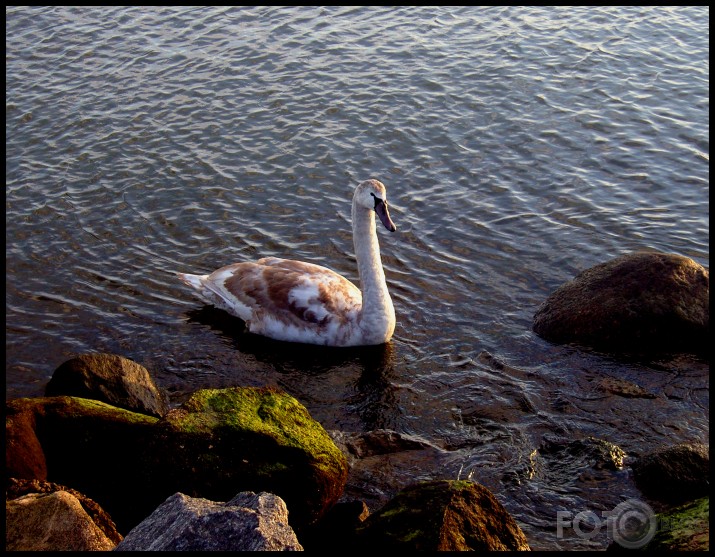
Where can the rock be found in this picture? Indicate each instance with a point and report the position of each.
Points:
(589, 452)
(376, 442)
(623, 388)
(219, 443)
(674, 474)
(685, 528)
(97, 449)
(18, 487)
(51, 522)
(248, 522)
(24, 457)
(443, 515)
(252, 439)
(642, 302)
(337, 527)
(111, 379)
(373, 456)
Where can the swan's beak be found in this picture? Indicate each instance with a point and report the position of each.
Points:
(384, 214)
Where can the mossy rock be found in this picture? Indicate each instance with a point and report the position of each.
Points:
(90, 446)
(224, 441)
(219, 443)
(442, 515)
(685, 528)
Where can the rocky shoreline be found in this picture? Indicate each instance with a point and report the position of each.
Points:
(101, 462)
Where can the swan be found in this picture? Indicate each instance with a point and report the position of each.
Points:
(294, 301)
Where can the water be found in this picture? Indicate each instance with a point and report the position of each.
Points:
(519, 146)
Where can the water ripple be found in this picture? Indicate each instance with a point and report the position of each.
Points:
(520, 145)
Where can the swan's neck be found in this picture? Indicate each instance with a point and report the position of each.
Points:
(378, 313)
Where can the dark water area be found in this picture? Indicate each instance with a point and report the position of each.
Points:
(519, 146)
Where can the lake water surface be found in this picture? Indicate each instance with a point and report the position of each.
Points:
(519, 146)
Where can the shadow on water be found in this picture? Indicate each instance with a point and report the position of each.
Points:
(362, 378)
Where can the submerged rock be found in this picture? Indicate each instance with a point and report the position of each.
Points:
(642, 302)
(248, 522)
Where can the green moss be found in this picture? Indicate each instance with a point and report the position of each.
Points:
(685, 528)
(459, 485)
(262, 411)
(76, 407)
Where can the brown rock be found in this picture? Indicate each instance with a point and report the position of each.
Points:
(443, 515)
(17, 488)
(51, 522)
(674, 474)
(93, 447)
(112, 379)
(24, 457)
(642, 302)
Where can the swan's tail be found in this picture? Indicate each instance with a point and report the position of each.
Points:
(210, 294)
(201, 287)
(194, 281)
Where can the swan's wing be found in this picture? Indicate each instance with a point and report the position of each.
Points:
(287, 292)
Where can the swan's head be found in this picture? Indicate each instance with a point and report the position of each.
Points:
(371, 194)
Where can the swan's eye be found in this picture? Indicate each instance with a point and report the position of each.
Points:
(377, 199)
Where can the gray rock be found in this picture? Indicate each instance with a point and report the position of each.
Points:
(111, 379)
(248, 522)
(642, 302)
(51, 522)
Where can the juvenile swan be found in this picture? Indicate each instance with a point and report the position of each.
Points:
(301, 302)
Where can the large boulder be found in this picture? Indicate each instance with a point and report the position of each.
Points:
(641, 302)
(251, 439)
(97, 449)
(217, 444)
(248, 522)
(111, 379)
(51, 522)
(442, 515)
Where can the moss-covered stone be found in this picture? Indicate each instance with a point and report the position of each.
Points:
(219, 443)
(256, 439)
(685, 528)
(90, 446)
(444, 515)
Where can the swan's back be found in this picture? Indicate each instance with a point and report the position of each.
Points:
(285, 299)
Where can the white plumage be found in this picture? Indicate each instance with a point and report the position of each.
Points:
(301, 302)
